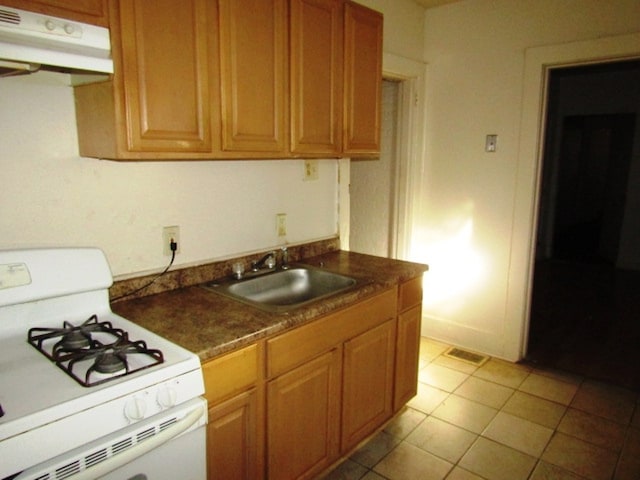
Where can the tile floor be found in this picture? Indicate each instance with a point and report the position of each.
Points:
(503, 421)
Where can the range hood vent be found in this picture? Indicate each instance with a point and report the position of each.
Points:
(28, 40)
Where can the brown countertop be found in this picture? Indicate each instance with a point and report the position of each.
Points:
(209, 324)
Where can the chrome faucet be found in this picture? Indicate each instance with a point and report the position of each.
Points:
(268, 261)
(285, 258)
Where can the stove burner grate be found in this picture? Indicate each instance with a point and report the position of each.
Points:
(87, 360)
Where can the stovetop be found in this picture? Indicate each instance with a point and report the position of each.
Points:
(94, 351)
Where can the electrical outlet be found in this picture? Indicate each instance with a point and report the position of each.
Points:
(281, 224)
(170, 234)
(310, 170)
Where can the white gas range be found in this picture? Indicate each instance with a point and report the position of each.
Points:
(85, 393)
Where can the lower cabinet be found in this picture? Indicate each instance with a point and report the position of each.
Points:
(294, 404)
(367, 383)
(408, 342)
(330, 386)
(303, 418)
(234, 388)
(232, 435)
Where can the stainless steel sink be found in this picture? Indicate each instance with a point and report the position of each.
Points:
(284, 290)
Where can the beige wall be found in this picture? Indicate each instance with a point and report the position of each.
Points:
(403, 26)
(50, 196)
(475, 225)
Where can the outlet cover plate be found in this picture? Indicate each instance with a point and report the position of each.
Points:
(168, 233)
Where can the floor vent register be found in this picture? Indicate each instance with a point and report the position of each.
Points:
(466, 356)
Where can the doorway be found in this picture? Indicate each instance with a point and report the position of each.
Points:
(584, 309)
(373, 186)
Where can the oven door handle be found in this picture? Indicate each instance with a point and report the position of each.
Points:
(140, 449)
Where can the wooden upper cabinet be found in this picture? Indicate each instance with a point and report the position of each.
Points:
(253, 56)
(87, 11)
(158, 103)
(363, 79)
(204, 79)
(165, 71)
(316, 45)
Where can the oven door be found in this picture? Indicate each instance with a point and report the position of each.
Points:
(180, 458)
(171, 444)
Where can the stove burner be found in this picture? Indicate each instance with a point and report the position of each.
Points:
(88, 360)
(109, 362)
(75, 340)
(71, 338)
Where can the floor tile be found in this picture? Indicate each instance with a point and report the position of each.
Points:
(547, 471)
(455, 364)
(580, 457)
(373, 476)
(503, 373)
(405, 422)
(593, 429)
(428, 398)
(430, 349)
(493, 461)
(482, 391)
(441, 377)
(407, 462)
(461, 474)
(535, 409)
(347, 470)
(375, 449)
(442, 439)
(611, 402)
(562, 375)
(629, 463)
(464, 413)
(503, 422)
(549, 388)
(518, 433)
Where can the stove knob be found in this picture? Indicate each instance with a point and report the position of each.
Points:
(135, 409)
(167, 397)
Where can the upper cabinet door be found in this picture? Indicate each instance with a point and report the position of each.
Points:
(165, 69)
(363, 79)
(316, 38)
(253, 57)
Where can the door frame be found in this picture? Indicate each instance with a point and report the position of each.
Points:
(537, 64)
(409, 169)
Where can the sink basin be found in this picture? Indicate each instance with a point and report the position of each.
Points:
(285, 290)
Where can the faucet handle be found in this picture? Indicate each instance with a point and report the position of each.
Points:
(270, 262)
(285, 258)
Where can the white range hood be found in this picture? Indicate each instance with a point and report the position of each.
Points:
(29, 40)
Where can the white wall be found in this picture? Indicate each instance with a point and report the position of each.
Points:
(372, 186)
(50, 196)
(403, 27)
(475, 50)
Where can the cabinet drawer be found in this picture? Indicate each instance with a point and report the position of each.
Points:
(306, 342)
(410, 294)
(232, 373)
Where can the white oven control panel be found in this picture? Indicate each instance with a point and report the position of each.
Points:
(14, 275)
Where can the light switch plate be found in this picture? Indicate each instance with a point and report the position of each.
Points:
(491, 143)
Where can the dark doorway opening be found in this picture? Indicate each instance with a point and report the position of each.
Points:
(593, 173)
(585, 309)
